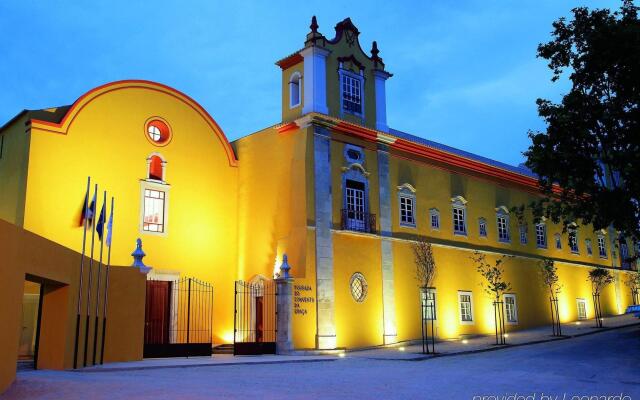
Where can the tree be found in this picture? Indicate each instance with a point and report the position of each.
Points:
(550, 279)
(599, 278)
(549, 274)
(633, 283)
(425, 263)
(588, 159)
(495, 286)
(425, 273)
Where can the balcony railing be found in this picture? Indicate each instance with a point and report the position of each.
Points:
(358, 221)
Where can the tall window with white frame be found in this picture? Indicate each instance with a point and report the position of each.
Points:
(407, 210)
(524, 233)
(295, 90)
(573, 240)
(434, 216)
(502, 219)
(511, 308)
(625, 262)
(465, 300)
(582, 308)
(354, 192)
(154, 209)
(351, 85)
(541, 236)
(428, 303)
(459, 210)
(602, 247)
(482, 227)
(154, 193)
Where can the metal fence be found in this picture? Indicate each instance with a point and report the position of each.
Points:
(178, 318)
(352, 220)
(255, 316)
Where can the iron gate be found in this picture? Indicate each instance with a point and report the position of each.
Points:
(178, 318)
(255, 311)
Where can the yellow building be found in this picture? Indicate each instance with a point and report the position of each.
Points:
(331, 185)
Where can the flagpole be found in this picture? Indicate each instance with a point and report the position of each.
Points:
(84, 241)
(101, 218)
(93, 239)
(106, 282)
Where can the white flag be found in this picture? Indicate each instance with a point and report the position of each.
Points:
(110, 227)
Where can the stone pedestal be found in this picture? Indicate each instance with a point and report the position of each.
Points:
(284, 318)
(284, 336)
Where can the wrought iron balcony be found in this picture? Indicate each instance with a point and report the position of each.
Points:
(358, 221)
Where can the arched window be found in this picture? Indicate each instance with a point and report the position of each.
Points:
(156, 168)
(459, 209)
(503, 224)
(295, 90)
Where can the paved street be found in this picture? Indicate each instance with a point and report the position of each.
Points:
(605, 363)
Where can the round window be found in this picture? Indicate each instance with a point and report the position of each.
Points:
(358, 287)
(158, 132)
(354, 155)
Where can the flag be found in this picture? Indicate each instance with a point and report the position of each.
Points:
(101, 221)
(91, 211)
(110, 227)
(83, 214)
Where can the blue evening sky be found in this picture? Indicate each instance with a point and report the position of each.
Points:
(465, 72)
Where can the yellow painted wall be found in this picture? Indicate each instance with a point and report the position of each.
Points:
(272, 206)
(358, 324)
(435, 187)
(13, 171)
(106, 139)
(456, 272)
(24, 255)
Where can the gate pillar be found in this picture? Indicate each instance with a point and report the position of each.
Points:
(284, 317)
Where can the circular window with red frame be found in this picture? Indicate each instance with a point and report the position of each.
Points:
(158, 132)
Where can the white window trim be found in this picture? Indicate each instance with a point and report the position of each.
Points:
(557, 238)
(588, 244)
(544, 235)
(523, 229)
(604, 246)
(359, 77)
(162, 187)
(472, 322)
(412, 197)
(574, 230)
(434, 212)
(435, 293)
(460, 203)
(481, 221)
(298, 75)
(515, 307)
(407, 190)
(503, 212)
(586, 310)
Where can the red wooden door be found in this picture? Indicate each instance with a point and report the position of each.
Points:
(156, 328)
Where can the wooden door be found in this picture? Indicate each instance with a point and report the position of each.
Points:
(156, 329)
